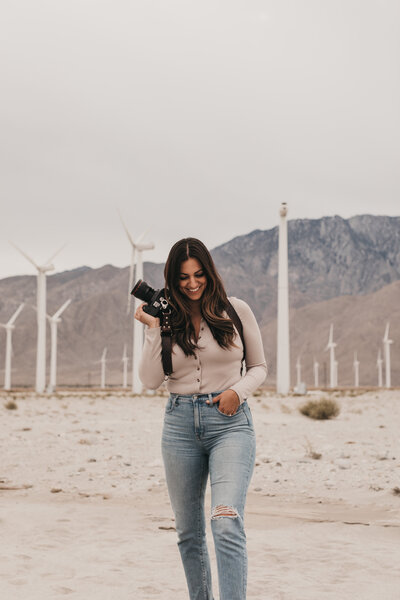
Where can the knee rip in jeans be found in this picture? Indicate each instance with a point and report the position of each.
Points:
(224, 511)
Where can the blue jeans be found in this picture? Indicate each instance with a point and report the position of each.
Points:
(198, 440)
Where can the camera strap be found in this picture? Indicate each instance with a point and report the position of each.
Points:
(234, 317)
(166, 342)
(166, 337)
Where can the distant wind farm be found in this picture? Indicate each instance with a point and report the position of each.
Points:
(319, 286)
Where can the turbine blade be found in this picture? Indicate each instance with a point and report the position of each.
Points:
(126, 229)
(63, 307)
(386, 336)
(15, 315)
(26, 256)
(55, 254)
(142, 236)
(131, 270)
(148, 246)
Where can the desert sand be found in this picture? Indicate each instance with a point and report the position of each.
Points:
(85, 511)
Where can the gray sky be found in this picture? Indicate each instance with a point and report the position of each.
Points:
(194, 118)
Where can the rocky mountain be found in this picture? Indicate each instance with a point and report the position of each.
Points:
(358, 326)
(332, 262)
(328, 257)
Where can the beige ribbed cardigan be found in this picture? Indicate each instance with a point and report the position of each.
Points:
(213, 369)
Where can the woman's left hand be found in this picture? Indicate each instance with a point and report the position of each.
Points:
(228, 402)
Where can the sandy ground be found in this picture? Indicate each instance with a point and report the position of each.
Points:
(95, 521)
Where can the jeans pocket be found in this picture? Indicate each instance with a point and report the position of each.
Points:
(247, 412)
(169, 407)
(239, 410)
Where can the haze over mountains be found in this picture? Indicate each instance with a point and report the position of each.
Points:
(345, 271)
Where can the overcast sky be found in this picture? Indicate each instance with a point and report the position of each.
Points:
(193, 118)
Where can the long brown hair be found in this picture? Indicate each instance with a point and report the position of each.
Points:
(213, 301)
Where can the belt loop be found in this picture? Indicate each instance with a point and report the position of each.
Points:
(210, 398)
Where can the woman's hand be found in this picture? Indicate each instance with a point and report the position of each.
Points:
(228, 402)
(146, 319)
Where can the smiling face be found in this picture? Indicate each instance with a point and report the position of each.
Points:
(192, 279)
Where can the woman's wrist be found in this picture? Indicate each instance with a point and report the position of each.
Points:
(154, 324)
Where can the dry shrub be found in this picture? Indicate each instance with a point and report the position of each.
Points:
(11, 405)
(396, 491)
(324, 408)
(310, 452)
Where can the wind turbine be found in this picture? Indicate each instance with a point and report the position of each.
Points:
(333, 363)
(379, 363)
(9, 326)
(283, 350)
(103, 368)
(335, 373)
(41, 316)
(136, 261)
(316, 368)
(298, 371)
(386, 344)
(356, 367)
(54, 320)
(125, 368)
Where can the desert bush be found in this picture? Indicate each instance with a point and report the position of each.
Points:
(11, 405)
(310, 452)
(396, 491)
(324, 408)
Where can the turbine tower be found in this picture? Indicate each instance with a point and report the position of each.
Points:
(9, 326)
(298, 372)
(356, 367)
(125, 368)
(333, 363)
(103, 369)
(386, 344)
(283, 350)
(136, 261)
(379, 364)
(316, 368)
(41, 317)
(54, 320)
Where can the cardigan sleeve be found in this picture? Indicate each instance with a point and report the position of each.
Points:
(151, 372)
(256, 366)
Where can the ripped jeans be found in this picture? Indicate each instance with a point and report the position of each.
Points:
(198, 440)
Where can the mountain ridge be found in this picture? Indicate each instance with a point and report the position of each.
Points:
(329, 258)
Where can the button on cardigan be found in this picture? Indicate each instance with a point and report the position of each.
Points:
(212, 369)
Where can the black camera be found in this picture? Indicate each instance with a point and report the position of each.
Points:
(156, 300)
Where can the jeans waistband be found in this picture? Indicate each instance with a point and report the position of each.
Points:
(191, 397)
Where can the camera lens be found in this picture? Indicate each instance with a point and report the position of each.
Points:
(143, 291)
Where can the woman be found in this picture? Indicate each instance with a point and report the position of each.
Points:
(208, 428)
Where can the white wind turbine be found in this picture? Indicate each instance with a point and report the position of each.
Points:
(103, 369)
(9, 326)
(379, 364)
(386, 344)
(356, 368)
(54, 320)
(283, 347)
(333, 363)
(298, 372)
(335, 371)
(316, 370)
(41, 317)
(125, 360)
(136, 261)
